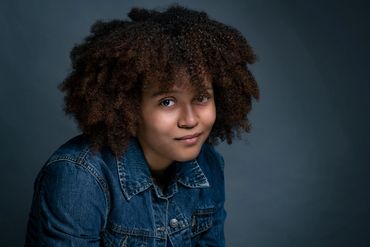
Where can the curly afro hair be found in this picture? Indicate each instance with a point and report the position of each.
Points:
(119, 58)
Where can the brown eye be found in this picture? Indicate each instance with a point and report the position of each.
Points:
(202, 99)
(167, 102)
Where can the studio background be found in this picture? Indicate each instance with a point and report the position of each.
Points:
(301, 178)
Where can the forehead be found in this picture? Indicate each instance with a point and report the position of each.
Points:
(181, 82)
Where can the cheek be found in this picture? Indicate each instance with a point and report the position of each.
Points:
(209, 116)
(160, 122)
(212, 119)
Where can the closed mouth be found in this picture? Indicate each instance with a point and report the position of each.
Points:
(188, 136)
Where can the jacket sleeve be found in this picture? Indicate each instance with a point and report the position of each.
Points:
(215, 235)
(68, 209)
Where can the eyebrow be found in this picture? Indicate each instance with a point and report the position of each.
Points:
(163, 92)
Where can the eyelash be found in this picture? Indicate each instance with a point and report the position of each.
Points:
(166, 99)
(200, 100)
(202, 97)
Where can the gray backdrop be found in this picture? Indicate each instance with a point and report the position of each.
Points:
(301, 178)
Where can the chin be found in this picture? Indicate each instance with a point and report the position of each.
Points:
(187, 156)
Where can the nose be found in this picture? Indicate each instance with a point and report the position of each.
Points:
(188, 118)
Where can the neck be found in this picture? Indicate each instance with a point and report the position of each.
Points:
(163, 177)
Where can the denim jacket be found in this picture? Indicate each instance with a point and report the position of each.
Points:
(82, 198)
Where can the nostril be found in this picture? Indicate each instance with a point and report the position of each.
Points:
(188, 119)
(187, 125)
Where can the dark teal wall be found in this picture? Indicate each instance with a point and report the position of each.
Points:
(301, 178)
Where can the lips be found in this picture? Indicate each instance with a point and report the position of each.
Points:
(189, 140)
(188, 137)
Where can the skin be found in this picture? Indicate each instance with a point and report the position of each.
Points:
(167, 120)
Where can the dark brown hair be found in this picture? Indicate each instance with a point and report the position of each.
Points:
(119, 57)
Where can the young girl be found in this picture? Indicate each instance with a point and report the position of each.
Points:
(151, 96)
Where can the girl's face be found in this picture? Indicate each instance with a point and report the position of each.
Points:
(174, 124)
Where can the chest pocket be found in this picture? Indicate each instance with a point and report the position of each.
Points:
(202, 220)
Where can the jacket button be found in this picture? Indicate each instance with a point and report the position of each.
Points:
(174, 223)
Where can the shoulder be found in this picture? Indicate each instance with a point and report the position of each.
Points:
(212, 164)
(210, 158)
(70, 193)
(77, 152)
(74, 150)
(210, 151)
(74, 164)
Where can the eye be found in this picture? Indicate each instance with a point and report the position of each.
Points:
(202, 99)
(167, 102)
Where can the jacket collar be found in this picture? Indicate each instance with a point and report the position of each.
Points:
(135, 176)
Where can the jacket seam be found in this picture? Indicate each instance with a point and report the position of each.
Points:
(90, 169)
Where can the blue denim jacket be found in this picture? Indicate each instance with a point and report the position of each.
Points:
(83, 198)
